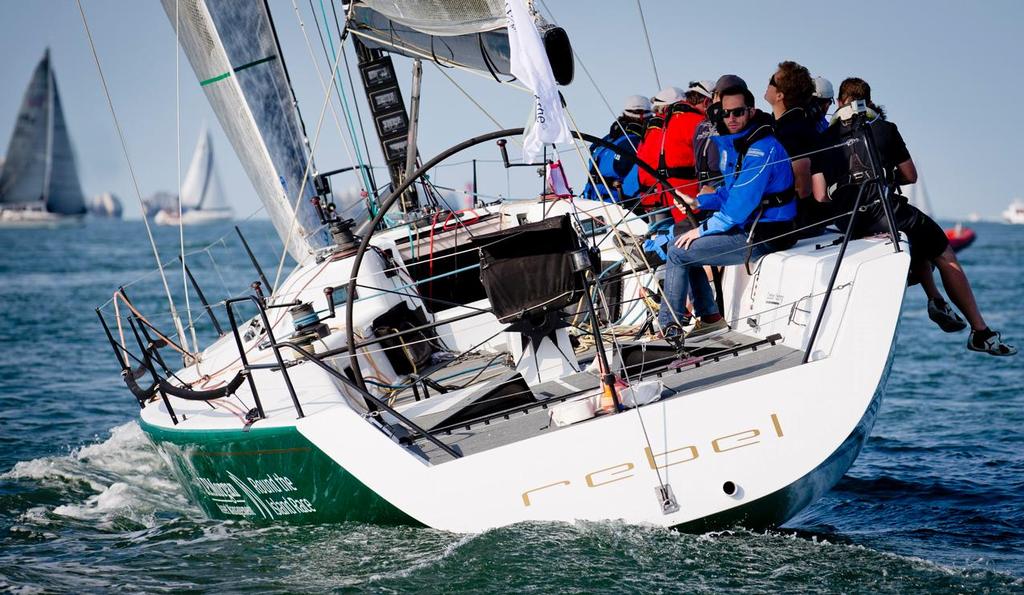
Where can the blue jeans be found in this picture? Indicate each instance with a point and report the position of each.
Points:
(684, 272)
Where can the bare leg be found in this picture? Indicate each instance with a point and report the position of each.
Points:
(922, 270)
(959, 288)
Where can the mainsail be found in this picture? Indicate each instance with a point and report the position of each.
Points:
(234, 53)
(201, 189)
(40, 165)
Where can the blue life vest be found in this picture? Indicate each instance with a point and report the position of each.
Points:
(614, 167)
(661, 235)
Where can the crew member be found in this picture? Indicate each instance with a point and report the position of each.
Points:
(824, 97)
(669, 149)
(789, 93)
(617, 171)
(838, 176)
(757, 172)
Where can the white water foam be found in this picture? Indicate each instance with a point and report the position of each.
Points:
(126, 476)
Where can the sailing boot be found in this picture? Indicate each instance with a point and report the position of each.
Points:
(946, 317)
(990, 342)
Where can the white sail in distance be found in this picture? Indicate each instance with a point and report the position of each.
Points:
(234, 53)
(201, 188)
(40, 163)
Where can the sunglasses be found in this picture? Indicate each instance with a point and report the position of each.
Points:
(736, 112)
(771, 82)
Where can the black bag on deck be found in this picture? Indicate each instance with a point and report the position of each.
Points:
(527, 270)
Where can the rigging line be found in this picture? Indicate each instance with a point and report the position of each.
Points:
(177, 156)
(131, 171)
(470, 97)
(323, 84)
(341, 92)
(305, 176)
(650, 51)
(359, 110)
(615, 341)
(604, 99)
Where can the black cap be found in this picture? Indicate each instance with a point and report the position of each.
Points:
(729, 80)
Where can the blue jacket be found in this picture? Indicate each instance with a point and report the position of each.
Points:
(766, 170)
(614, 167)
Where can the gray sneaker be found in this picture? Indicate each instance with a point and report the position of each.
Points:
(706, 330)
(993, 345)
(943, 315)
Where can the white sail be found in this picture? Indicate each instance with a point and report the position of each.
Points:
(233, 51)
(201, 188)
(40, 164)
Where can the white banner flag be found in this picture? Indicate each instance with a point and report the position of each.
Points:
(530, 65)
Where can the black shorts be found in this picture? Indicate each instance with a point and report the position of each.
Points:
(927, 239)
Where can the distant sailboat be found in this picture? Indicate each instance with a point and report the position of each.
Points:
(39, 184)
(105, 205)
(202, 196)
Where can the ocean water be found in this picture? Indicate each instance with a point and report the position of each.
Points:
(935, 503)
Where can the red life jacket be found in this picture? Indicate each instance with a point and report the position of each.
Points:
(669, 149)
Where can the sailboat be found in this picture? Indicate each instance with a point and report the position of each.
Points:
(423, 371)
(202, 196)
(39, 183)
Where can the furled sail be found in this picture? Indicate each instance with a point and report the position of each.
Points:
(234, 53)
(201, 188)
(467, 33)
(40, 164)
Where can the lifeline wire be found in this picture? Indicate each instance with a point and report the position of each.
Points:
(131, 171)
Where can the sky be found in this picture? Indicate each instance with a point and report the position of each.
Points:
(948, 74)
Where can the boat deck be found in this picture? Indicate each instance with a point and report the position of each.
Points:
(729, 358)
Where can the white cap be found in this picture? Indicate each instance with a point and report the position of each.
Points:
(637, 104)
(702, 87)
(823, 88)
(668, 96)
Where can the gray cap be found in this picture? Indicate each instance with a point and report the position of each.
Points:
(823, 88)
(729, 80)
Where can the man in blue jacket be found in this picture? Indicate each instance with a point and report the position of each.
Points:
(755, 205)
(619, 173)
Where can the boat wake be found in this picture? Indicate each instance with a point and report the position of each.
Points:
(121, 478)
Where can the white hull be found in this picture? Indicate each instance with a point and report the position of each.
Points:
(781, 432)
(36, 217)
(1014, 213)
(199, 217)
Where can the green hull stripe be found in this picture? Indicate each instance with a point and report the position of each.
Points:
(269, 474)
(225, 75)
